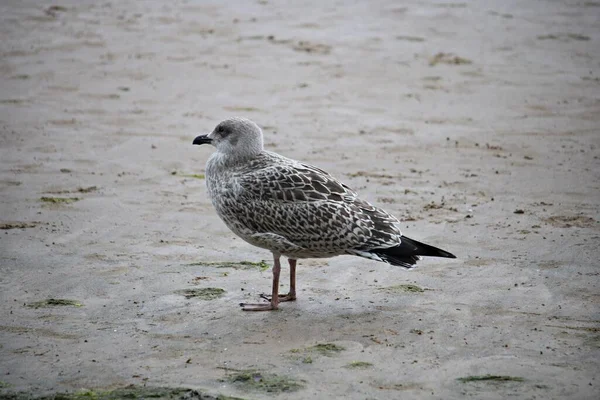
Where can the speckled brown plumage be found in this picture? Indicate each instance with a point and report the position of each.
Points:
(295, 209)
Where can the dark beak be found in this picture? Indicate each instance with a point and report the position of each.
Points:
(202, 139)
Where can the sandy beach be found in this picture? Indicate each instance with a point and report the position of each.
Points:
(477, 123)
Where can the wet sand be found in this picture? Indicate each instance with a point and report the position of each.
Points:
(476, 123)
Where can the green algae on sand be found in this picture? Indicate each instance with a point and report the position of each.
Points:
(59, 200)
(129, 392)
(326, 349)
(255, 380)
(262, 265)
(202, 293)
(490, 378)
(407, 288)
(55, 303)
(195, 176)
(358, 365)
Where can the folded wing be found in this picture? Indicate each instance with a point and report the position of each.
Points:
(312, 209)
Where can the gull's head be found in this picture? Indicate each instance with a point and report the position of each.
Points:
(235, 136)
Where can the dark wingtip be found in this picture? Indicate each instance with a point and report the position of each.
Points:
(408, 252)
(422, 249)
(440, 253)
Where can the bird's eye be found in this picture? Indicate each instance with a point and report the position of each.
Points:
(220, 129)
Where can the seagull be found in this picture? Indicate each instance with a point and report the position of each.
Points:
(295, 209)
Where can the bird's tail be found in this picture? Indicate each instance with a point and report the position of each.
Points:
(408, 252)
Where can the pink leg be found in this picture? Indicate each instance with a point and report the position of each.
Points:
(274, 301)
(291, 296)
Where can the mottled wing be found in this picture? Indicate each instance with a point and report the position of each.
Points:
(312, 209)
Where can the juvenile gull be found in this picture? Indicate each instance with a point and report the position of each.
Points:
(295, 209)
